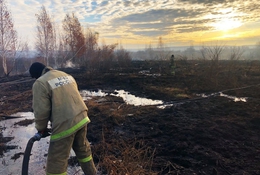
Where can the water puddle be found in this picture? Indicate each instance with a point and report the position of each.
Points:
(147, 73)
(235, 99)
(133, 100)
(21, 135)
(138, 101)
(87, 95)
(221, 94)
(11, 161)
(127, 97)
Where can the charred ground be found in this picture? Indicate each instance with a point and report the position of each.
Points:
(213, 135)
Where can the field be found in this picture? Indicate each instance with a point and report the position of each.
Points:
(209, 124)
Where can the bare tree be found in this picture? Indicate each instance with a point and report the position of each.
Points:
(25, 55)
(91, 43)
(22, 61)
(236, 53)
(46, 36)
(8, 39)
(123, 58)
(213, 53)
(73, 36)
(91, 40)
(61, 51)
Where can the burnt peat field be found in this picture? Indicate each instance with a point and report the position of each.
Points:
(209, 122)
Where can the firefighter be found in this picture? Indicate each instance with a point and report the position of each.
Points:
(56, 99)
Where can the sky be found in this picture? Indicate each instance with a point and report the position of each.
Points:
(138, 24)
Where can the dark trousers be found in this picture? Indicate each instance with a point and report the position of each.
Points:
(59, 151)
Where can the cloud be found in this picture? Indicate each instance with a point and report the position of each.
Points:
(190, 28)
(153, 32)
(161, 22)
(138, 19)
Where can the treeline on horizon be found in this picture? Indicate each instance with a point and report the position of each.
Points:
(55, 47)
(79, 46)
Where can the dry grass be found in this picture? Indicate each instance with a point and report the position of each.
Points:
(112, 108)
(119, 156)
(171, 91)
(124, 157)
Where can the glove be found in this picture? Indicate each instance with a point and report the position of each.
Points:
(37, 136)
(45, 133)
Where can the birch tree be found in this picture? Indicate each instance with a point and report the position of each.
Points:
(91, 44)
(74, 36)
(8, 39)
(46, 36)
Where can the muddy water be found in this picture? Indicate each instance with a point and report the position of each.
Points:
(11, 161)
(133, 100)
(138, 101)
(221, 94)
(126, 96)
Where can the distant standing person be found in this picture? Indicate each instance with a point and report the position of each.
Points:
(56, 99)
(172, 65)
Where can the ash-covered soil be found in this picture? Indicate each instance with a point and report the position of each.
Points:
(193, 135)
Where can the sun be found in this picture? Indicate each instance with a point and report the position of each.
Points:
(225, 19)
(226, 24)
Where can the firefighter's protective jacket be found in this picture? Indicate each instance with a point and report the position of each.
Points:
(56, 99)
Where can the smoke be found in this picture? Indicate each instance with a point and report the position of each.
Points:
(69, 64)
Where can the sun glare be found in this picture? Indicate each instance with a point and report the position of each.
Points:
(225, 19)
(227, 24)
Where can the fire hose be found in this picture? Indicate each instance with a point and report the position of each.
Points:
(28, 149)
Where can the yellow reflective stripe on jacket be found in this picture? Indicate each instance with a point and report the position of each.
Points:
(57, 174)
(70, 131)
(87, 159)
